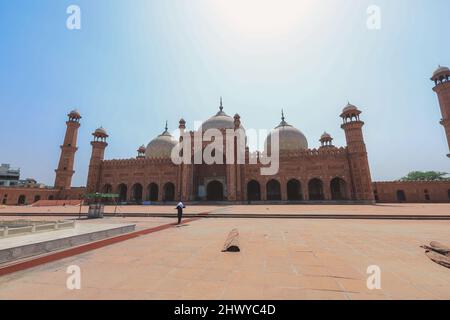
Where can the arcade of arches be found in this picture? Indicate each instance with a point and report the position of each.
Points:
(137, 193)
(293, 190)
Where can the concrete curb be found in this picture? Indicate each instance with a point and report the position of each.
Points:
(43, 247)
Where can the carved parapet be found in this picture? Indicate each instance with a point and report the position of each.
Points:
(136, 161)
(332, 152)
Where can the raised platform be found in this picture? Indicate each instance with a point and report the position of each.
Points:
(21, 227)
(25, 246)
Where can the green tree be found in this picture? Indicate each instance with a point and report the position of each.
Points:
(425, 176)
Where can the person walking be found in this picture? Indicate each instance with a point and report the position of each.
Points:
(180, 207)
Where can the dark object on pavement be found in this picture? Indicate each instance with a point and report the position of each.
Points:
(438, 253)
(232, 242)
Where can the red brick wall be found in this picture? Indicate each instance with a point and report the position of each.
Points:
(10, 195)
(142, 171)
(438, 191)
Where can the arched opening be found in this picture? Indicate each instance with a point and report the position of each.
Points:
(153, 192)
(214, 191)
(137, 192)
(169, 192)
(375, 194)
(448, 194)
(253, 191)
(21, 200)
(401, 196)
(338, 188)
(294, 190)
(107, 188)
(51, 197)
(273, 190)
(427, 195)
(37, 198)
(122, 190)
(315, 189)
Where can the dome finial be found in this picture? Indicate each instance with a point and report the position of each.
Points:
(283, 123)
(221, 105)
(166, 126)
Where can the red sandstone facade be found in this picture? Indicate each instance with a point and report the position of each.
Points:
(325, 174)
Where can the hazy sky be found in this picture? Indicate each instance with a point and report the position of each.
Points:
(136, 63)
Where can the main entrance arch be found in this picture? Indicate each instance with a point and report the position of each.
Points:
(214, 191)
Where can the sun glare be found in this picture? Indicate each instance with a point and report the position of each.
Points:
(262, 16)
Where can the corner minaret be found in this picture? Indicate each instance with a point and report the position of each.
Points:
(99, 145)
(442, 88)
(357, 154)
(64, 173)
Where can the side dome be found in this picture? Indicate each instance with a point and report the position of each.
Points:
(290, 138)
(161, 146)
(219, 121)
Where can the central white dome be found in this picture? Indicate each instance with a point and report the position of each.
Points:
(219, 121)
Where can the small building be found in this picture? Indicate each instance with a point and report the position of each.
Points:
(9, 176)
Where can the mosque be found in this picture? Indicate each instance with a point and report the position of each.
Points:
(327, 174)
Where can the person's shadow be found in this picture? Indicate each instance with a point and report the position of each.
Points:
(181, 225)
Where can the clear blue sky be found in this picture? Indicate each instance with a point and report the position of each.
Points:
(136, 63)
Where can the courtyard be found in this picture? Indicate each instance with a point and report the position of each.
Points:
(287, 258)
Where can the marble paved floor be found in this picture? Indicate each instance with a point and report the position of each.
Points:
(279, 259)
